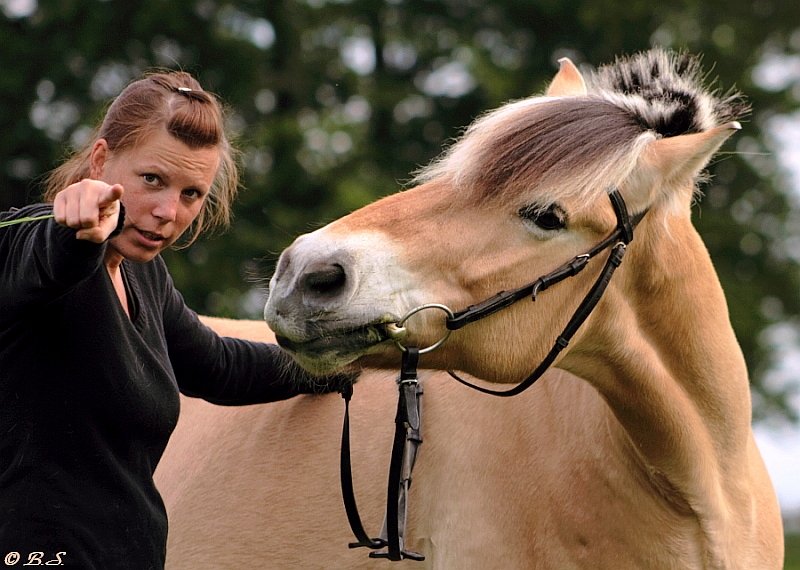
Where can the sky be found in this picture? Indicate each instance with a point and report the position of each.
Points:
(781, 452)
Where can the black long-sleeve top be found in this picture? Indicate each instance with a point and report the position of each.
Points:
(89, 396)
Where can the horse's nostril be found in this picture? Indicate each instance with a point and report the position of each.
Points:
(325, 280)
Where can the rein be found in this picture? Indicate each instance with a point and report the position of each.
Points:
(408, 419)
(407, 438)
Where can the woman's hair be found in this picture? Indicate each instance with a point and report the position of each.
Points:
(174, 101)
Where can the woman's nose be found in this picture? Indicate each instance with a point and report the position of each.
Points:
(166, 207)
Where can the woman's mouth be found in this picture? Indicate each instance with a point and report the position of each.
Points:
(150, 238)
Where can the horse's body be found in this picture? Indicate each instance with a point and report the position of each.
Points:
(641, 455)
(538, 481)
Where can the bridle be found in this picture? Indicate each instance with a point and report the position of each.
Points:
(620, 238)
(408, 418)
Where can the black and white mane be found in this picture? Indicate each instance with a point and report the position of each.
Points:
(666, 92)
(596, 137)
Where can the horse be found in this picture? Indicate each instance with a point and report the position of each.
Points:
(634, 449)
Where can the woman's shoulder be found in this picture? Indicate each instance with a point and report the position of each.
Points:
(31, 228)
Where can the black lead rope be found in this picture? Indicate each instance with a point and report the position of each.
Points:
(407, 438)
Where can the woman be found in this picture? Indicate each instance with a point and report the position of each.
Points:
(95, 342)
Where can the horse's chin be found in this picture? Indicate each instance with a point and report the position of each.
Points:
(324, 364)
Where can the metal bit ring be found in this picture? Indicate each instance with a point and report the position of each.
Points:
(416, 310)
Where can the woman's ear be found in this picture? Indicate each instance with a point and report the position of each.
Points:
(97, 159)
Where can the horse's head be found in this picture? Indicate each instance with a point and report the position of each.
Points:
(522, 192)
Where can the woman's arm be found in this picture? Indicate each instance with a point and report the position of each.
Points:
(40, 261)
(234, 371)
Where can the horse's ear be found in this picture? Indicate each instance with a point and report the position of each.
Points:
(568, 81)
(682, 157)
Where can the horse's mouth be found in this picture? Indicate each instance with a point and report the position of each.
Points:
(345, 341)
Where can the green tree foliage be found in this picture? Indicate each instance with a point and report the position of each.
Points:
(335, 102)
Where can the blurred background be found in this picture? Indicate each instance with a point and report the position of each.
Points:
(335, 102)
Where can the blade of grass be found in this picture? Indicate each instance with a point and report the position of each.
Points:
(23, 220)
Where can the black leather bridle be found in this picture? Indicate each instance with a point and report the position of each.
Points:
(408, 419)
(619, 238)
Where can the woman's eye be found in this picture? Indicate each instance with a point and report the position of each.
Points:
(193, 193)
(548, 219)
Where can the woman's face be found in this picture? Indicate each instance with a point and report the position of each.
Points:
(165, 186)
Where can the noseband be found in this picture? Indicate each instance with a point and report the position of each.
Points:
(409, 414)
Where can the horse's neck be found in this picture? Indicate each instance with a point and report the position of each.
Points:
(681, 317)
(661, 351)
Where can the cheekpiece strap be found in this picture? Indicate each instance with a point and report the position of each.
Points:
(623, 219)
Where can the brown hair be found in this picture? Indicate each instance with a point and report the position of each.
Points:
(174, 101)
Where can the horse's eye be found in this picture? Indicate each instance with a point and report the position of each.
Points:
(548, 219)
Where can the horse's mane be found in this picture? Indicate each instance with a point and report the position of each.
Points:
(571, 146)
(665, 92)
